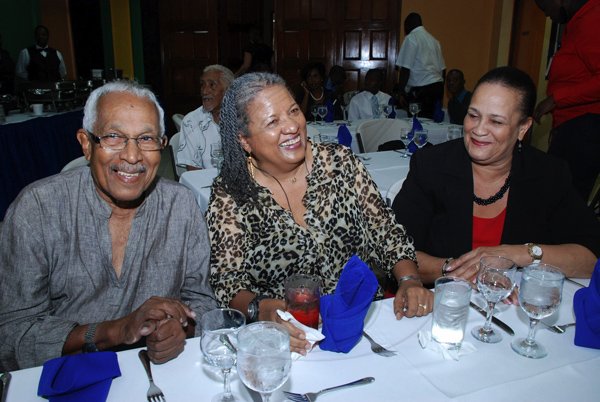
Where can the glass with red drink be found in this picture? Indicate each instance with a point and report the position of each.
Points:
(302, 294)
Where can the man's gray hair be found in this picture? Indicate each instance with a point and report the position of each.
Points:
(90, 111)
(227, 76)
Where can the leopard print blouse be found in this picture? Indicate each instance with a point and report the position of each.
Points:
(256, 246)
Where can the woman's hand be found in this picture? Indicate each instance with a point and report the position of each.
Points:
(545, 106)
(467, 265)
(412, 299)
(304, 86)
(298, 342)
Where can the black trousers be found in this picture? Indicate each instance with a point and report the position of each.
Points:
(578, 142)
(427, 96)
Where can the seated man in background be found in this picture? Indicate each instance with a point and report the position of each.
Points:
(200, 127)
(40, 62)
(459, 96)
(99, 257)
(365, 104)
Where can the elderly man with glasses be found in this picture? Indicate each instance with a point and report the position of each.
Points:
(105, 256)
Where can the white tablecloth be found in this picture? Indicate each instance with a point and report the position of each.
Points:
(388, 169)
(493, 373)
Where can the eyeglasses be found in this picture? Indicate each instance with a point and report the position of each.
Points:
(117, 142)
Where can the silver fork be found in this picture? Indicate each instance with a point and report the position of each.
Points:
(312, 396)
(377, 348)
(559, 329)
(154, 393)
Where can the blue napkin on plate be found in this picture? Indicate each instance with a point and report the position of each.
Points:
(344, 136)
(75, 378)
(343, 312)
(438, 113)
(586, 304)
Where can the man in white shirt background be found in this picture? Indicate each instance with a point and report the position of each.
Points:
(200, 127)
(422, 67)
(41, 62)
(365, 104)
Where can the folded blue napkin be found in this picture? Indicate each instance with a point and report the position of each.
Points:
(329, 115)
(75, 378)
(416, 125)
(392, 103)
(343, 312)
(344, 136)
(438, 113)
(586, 304)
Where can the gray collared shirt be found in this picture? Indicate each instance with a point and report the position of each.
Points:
(56, 262)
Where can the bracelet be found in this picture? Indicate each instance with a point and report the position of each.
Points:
(445, 266)
(408, 278)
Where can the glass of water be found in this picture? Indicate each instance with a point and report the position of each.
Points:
(450, 311)
(264, 358)
(540, 294)
(216, 155)
(454, 132)
(420, 138)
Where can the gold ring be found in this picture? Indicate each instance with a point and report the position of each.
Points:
(423, 305)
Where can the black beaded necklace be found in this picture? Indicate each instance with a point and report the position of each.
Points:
(495, 197)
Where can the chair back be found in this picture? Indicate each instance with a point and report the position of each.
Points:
(75, 163)
(371, 134)
(177, 119)
(174, 143)
(167, 168)
(348, 96)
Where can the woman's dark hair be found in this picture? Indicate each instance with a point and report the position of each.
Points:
(234, 121)
(320, 67)
(517, 80)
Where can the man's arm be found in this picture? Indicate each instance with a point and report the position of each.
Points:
(62, 69)
(22, 63)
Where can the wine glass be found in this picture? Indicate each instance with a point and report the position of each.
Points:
(322, 111)
(264, 358)
(540, 295)
(495, 281)
(344, 108)
(386, 110)
(219, 328)
(454, 132)
(216, 155)
(420, 138)
(314, 110)
(414, 108)
(406, 136)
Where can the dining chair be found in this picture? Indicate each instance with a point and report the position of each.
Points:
(174, 144)
(376, 133)
(177, 119)
(348, 96)
(75, 163)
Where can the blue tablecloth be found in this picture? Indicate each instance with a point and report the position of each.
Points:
(35, 149)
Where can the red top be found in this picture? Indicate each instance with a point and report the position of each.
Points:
(574, 79)
(487, 232)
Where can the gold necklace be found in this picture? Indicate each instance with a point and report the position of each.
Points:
(319, 98)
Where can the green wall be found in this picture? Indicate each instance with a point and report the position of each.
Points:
(17, 20)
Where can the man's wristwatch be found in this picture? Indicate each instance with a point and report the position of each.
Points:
(88, 339)
(535, 251)
(253, 309)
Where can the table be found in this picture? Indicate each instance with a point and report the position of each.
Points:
(492, 373)
(35, 148)
(388, 169)
(437, 132)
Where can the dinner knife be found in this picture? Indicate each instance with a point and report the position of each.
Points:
(499, 323)
(5, 380)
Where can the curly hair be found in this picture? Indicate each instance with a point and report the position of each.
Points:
(234, 120)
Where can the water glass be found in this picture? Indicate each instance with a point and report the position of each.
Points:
(406, 136)
(263, 357)
(414, 109)
(420, 138)
(450, 311)
(302, 295)
(454, 132)
(540, 294)
(314, 110)
(322, 111)
(216, 155)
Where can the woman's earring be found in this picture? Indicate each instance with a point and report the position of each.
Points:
(519, 145)
(250, 165)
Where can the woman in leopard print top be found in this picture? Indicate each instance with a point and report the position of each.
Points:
(283, 205)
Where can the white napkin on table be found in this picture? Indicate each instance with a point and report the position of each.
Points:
(312, 335)
(447, 353)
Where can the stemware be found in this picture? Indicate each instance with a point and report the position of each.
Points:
(454, 132)
(219, 328)
(386, 110)
(420, 138)
(344, 108)
(414, 108)
(406, 136)
(540, 294)
(314, 110)
(216, 155)
(322, 111)
(495, 281)
(263, 358)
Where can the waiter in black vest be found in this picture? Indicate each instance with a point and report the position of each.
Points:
(40, 62)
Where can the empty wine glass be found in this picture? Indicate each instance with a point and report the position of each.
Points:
(414, 108)
(314, 110)
(322, 111)
(216, 155)
(344, 111)
(540, 295)
(219, 328)
(420, 138)
(263, 358)
(495, 281)
(406, 136)
(386, 110)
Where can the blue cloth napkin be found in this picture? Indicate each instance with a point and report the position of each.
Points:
(75, 378)
(586, 304)
(344, 136)
(343, 312)
(416, 125)
(392, 103)
(329, 115)
(438, 113)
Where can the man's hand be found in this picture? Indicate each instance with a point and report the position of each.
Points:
(545, 106)
(166, 342)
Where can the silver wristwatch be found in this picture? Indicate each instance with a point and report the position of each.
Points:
(535, 251)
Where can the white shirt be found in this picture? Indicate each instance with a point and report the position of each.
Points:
(360, 105)
(421, 53)
(198, 133)
(23, 62)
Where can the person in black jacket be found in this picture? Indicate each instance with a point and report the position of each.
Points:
(40, 62)
(459, 96)
(489, 194)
